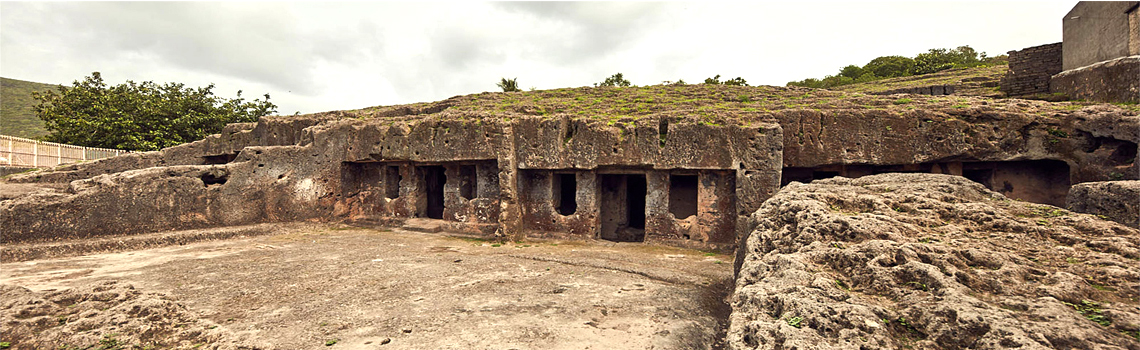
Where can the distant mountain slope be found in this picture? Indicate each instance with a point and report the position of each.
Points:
(16, 115)
(978, 81)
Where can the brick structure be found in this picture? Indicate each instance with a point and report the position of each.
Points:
(1030, 70)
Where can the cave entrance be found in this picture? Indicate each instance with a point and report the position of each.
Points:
(434, 178)
(1043, 181)
(623, 207)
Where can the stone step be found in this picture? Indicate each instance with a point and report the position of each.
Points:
(423, 225)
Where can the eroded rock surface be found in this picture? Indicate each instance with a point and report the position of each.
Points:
(935, 262)
(1115, 200)
(105, 315)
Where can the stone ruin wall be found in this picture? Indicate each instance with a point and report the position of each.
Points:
(1116, 80)
(344, 169)
(1030, 70)
(510, 174)
(932, 90)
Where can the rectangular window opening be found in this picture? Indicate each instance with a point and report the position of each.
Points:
(392, 180)
(468, 181)
(564, 190)
(683, 196)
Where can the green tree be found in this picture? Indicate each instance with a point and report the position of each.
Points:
(140, 116)
(890, 66)
(713, 81)
(852, 71)
(614, 80)
(509, 85)
(935, 60)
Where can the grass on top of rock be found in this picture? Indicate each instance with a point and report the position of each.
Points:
(708, 103)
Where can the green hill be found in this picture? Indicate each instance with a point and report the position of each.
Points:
(16, 115)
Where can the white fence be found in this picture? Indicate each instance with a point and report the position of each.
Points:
(21, 152)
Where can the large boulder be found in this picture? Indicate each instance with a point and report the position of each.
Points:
(931, 262)
(1114, 200)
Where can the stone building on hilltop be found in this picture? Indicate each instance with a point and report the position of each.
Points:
(1098, 59)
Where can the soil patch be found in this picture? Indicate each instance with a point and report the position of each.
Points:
(312, 286)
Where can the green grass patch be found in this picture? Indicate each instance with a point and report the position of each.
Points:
(1091, 311)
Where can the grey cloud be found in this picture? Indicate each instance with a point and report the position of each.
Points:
(258, 43)
(460, 49)
(598, 28)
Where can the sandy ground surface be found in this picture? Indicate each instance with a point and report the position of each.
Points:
(311, 286)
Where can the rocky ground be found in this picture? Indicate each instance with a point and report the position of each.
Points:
(932, 262)
(308, 286)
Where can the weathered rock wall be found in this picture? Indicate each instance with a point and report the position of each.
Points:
(1115, 200)
(1097, 142)
(1116, 80)
(932, 262)
(265, 184)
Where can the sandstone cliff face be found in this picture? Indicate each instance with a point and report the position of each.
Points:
(931, 262)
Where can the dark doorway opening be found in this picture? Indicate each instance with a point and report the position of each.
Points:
(622, 209)
(392, 180)
(564, 188)
(434, 179)
(635, 197)
(982, 176)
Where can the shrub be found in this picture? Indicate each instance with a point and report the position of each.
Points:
(614, 80)
(509, 85)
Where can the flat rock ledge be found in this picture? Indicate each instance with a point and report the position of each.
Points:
(929, 261)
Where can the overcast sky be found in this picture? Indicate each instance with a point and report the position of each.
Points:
(313, 57)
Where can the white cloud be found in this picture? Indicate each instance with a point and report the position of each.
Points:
(326, 56)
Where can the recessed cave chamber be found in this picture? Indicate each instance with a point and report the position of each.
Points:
(1043, 181)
